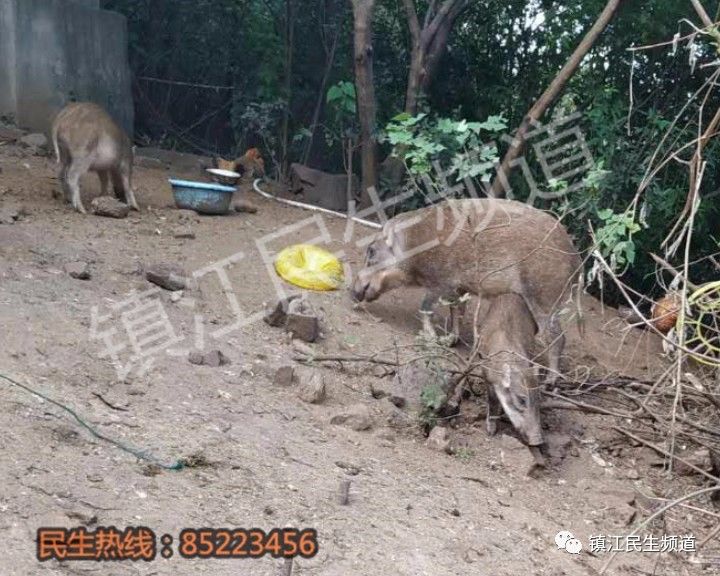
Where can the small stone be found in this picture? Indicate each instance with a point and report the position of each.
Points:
(168, 276)
(301, 322)
(558, 444)
(214, 359)
(285, 375)
(632, 474)
(35, 140)
(699, 458)
(78, 270)
(303, 348)
(9, 215)
(176, 296)
(438, 440)
(187, 216)
(109, 207)
(277, 315)
(312, 388)
(10, 134)
(306, 328)
(349, 468)
(184, 233)
(245, 207)
(149, 162)
(355, 417)
(515, 454)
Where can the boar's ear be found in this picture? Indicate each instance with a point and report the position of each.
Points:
(390, 236)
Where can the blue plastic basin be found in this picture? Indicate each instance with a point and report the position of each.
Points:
(202, 197)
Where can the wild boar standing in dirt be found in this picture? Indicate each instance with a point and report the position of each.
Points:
(506, 342)
(86, 139)
(483, 247)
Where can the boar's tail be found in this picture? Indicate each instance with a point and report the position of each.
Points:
(55, 144)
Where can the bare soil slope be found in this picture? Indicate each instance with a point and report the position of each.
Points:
(263, 457)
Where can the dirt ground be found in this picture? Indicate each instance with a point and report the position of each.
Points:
(262, 456)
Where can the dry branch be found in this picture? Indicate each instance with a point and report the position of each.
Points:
(500, 185)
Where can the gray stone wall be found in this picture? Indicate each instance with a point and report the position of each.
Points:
(56, 51)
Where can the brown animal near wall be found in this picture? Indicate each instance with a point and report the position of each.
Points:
(506, 340)
(483, 247)
(86, 138)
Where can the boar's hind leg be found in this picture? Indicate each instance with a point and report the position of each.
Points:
(426, 310)
(104, 181)
(77, 168)
(553, 337)
(123, 188)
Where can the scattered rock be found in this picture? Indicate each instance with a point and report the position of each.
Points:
(699, 458)
(303, 348)
(10, 134)
(168, 276)
(439, 440)
(407, 386)
(285, 375)
(176, 296)
(187, 215)
(558, 444)
(10, 215)
(109, 207)
(355, 417)
(78, 270)
(301, 322)
(245, 207)
(277, 315)
(184, 233)
(312, 388)
(214, 359)
(36, 141)
(349, 468)
(514, 454)
(632, 474)
(148, 162)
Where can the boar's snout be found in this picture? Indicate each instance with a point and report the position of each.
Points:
(362, 290)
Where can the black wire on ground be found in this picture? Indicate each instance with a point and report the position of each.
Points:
(177, 465)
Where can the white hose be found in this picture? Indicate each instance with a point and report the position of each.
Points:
(367, 223)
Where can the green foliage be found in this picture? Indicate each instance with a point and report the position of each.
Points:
(424, 143)
(441, 153)
(342, 97)
(615, 237)
(432, 398)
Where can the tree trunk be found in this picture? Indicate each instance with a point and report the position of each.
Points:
(289, 41)
(499, 186)
(329, 62)
(364, 85)
(429, 43)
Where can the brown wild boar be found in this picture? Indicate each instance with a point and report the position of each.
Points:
(483, 247)
(506, 341)
(86, 139)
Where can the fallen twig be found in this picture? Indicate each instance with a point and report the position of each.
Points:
(666, 453)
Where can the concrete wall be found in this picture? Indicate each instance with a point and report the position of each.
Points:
(62, 50)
